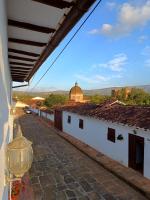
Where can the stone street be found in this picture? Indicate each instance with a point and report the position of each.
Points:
(60, 171)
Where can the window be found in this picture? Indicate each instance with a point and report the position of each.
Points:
(111, 135)
(69, 119)
(81, 123)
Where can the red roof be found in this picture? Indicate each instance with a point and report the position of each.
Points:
(138, 116)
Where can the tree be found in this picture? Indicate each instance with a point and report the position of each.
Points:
(97, 99)
(136, 96)
(139, 96)
(55, 99)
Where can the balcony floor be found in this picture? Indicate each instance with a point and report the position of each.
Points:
(60, 171)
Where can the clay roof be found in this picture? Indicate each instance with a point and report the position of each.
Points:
(115, 112)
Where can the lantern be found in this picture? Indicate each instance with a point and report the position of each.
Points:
(19, 156)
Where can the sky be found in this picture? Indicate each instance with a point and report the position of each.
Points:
(111, 49)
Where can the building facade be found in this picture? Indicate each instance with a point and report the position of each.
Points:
(5, 100)
(20, 26)
(76, 94)
(127, 144)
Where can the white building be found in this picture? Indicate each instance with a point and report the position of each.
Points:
(29, 32)
(121, 132)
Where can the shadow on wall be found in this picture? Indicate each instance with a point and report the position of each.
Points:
(5, 193)
(4, 92)
(4, 114)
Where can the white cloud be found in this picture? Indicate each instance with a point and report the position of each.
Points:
(94, 32)
(142, 38)
(129, 18)
(147, 63)
(92, 79)
(117, 76)
(146, 51)
(116, 64)
(106, 29)
(111, 5)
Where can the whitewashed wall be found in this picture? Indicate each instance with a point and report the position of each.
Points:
(34, 110)
(5, 99)
(95, 135)
(50, 117)
(43, 114)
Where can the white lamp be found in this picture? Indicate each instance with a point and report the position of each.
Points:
(19, 156)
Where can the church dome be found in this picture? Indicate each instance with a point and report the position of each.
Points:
(76, 90)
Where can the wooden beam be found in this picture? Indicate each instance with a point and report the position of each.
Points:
(74, 15)
(31, 27)
(18, 76)
(20, 80)
(19, 71)
(20, 68)
(23, 52)
(21, 58)
(56, 3)
(22, 64)
(17, 80)
(27, 42)
(14, 73)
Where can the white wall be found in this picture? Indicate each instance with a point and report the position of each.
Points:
(5, 99)
(43, 114)
(50, 117)
(95, 135)
(34, 110)
(20, 104)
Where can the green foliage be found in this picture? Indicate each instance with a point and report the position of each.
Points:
(136, 97)
(23, 97)
(55, 99)
(97, 99)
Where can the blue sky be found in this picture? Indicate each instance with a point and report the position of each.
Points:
(112, 49)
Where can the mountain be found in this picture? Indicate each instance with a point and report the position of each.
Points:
(104, 91)
(107, 91)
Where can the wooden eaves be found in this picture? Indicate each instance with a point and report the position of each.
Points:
(77, 11)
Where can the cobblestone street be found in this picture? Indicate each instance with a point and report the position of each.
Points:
(60, 171)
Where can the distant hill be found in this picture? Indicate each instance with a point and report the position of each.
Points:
(107, 91)
(104, 91)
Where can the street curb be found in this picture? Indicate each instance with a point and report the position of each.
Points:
(128, 175)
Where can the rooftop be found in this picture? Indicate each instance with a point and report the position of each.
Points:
(114, 111)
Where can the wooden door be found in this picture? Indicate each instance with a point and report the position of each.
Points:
(136, 152)
(58, 119)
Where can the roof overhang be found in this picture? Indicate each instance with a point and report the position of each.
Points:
(35, 29)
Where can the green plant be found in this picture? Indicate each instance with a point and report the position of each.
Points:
(120, 137)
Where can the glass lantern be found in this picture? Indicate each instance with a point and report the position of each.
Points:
(19, 156)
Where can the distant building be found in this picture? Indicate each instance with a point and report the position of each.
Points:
(116, 92)
(76, 94)
(37, 102)
(38, 99)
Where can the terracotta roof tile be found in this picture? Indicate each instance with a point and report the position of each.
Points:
(116, 112)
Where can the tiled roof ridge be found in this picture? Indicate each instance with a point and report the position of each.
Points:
(115, 111)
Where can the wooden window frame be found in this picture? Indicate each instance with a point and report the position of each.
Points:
(111, 135)
(69, 119)
(81, 123)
